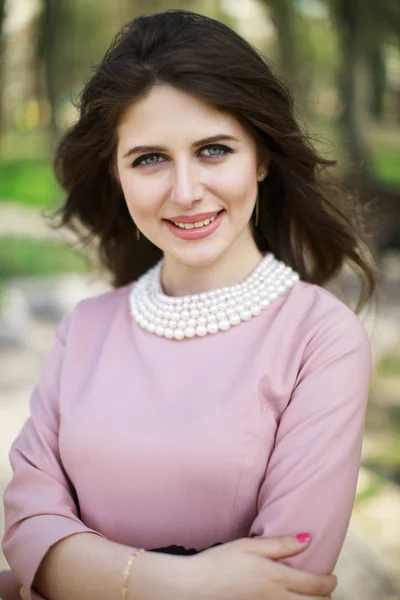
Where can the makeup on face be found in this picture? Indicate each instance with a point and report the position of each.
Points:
(189, 174)
(195, 230)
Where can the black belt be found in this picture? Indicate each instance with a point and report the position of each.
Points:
(181, 550)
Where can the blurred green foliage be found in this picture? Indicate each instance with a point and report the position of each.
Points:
(29, 181)
(21, 257)
(389, 366)
(387, 164)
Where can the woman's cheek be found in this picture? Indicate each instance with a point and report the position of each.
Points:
(144, 198)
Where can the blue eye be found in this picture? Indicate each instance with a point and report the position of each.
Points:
(148, 160)
(216, 151)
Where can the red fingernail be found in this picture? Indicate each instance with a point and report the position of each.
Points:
(303, 538)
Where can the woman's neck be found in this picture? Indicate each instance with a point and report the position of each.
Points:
(233, 267)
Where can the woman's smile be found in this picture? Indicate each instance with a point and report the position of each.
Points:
(196, 230)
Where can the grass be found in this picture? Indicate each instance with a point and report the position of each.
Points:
(26, 257)
(30, 181)
(389, 366)
(387, 164)
(371, 490)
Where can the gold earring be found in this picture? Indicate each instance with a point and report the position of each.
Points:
(137, 233)
(257, 211)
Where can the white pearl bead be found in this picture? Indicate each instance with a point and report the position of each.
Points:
(212, 327)
(255, 310)
(191, 322)
(224, 325)
(160, 330)
(190, 332)
(194, 313)
(201, 330)
(245, 315)
(169, 333)
(179, 334)
(234, 319)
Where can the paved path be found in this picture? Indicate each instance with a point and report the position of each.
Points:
(18, 220)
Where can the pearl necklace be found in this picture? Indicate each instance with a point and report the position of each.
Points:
(207, 312)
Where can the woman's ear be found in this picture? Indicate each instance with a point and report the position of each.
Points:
(264, 160)
(262, 170)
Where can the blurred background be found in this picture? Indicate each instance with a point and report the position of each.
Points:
(341, 59)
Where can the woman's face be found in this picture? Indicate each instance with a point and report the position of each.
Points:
(181, 160)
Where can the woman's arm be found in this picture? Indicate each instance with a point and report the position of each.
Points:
(41, 541)
(311, 478)
(39, 504)
(87, 567)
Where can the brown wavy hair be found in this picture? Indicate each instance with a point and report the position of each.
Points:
(305, 222)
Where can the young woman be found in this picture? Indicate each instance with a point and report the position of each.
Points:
(190, 423)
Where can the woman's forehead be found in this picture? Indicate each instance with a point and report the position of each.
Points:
(167, 113)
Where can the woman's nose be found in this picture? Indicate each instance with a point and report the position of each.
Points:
(186, 187)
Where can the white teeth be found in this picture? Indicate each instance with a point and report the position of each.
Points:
(198, 224)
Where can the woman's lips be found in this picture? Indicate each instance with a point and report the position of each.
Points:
(196, 233)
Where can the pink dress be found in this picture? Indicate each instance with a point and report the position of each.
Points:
(152, 442)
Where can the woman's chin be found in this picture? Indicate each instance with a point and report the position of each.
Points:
(196, 257)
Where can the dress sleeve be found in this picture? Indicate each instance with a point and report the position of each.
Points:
(39, 501)
(311, 478)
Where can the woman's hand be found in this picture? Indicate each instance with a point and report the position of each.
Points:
(246, 568)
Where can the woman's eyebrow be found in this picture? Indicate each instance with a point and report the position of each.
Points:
(209, 140)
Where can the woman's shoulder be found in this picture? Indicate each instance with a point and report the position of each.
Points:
(323, 317)
(96, 313)
(319, 301)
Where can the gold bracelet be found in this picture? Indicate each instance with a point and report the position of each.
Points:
(127, 572)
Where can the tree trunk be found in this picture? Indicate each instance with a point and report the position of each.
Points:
(377, 80)
(282, 15)
(348, 14)
(46, 66)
